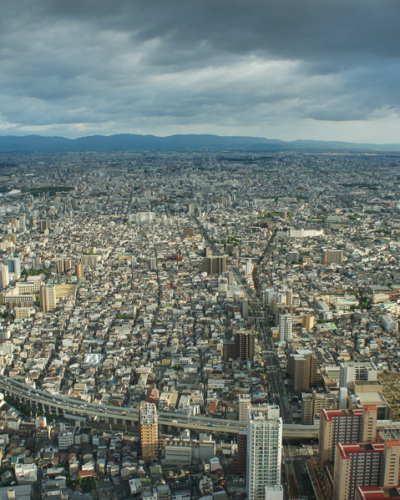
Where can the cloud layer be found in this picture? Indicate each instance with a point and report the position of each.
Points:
(277, 68)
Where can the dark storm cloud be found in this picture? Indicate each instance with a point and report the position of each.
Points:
(125, 64)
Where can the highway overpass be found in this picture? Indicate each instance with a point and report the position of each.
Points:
(69, 407)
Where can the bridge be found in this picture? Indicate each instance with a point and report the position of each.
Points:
(68, 408)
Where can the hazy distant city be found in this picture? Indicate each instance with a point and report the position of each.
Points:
(199, 325)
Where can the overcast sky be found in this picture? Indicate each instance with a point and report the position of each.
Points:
(287, 69)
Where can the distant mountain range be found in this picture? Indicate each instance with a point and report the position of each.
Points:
(129, 142)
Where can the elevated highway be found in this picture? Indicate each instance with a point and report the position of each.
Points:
(69, 407)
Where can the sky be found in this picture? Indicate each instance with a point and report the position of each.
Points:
(281, 69)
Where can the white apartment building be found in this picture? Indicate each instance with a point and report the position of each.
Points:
(264, 452)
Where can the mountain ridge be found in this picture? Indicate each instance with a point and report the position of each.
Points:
(128, 142)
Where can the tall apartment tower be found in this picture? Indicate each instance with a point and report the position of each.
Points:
(214, 265)
(365, 464)
(48, 299)
(308, 321)
(60, 266)
(345, 426)
(4, 277)
(245, 345)
(264, 453)
(285, 327)
(304, 370)
(79, 270)
(44, 224)
(313, 403)
(148, 431)
(152, 264)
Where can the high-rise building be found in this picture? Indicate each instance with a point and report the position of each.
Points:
(264, 452)
(68, 263)
(229, 276)
(245, 309)
(79, 270)
(4, 276)
(237, 466)
(365, 464)
(308, 321)
(14, 265)
(285, 327)
(152, 264)
(60, 266)
(242, 347)
(345, 426)
(214, 265)
(352, 371)
(269, 295)
(148, 431)
(188, 232)
(44, 224)
(249, 267)
(245, 345)
(377, 493)
(229, 247)
(48, 299)
(304, 370)
(313, 403)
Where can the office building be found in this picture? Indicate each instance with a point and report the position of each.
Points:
(152, 264)
(48, 299)
(345, 426)
(14, 265)
(188, 232)
(148, 431)
(214, 265)
(264, 452)
(285, 327)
